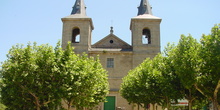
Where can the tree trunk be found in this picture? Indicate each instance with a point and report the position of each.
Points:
(167, 103)
(215, 97)
(133, 106)
(190, 104)
(215, 105)
(145, 106)
(37, 103)
(79, 108)
(38, 108)
(190, 100)
(153, 106)
(69, 104)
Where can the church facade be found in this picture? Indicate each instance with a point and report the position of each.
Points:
(116, 56)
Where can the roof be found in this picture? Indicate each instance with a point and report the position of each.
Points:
(112, 42)
(144, 8)
(78, 13)
(79, 8)
(145, 12)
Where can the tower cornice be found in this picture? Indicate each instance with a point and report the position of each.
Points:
(74, 18)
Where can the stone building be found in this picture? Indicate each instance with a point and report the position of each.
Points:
(116, 56)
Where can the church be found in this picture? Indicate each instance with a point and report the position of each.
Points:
(116, 56)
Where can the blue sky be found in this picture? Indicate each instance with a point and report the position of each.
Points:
(22, 21)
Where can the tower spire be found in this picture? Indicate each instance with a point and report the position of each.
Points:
(79, 8)
(144, 8)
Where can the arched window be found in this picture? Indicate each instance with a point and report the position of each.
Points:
(76, 35)
(146, 36)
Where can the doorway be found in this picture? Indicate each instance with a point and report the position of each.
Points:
(110, 103)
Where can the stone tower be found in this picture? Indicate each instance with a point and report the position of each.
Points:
(145, 29)
(77, 28)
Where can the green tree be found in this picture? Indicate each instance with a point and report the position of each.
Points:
(2, 107)
(141, 85)
(186, 64)
(29, 77)
(170, 86)
(209, 77)
(129, 87)
(85, 81)
(193, 67)
(153, 81)
(40, 77)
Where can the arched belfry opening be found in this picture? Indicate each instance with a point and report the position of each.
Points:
(76, 35)
(146, 36)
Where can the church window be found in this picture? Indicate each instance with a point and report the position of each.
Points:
(111, 41)
(76, 35)
(110, 62)
(146, 36)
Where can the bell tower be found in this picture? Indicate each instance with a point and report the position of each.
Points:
(77, 28)
(145, 29)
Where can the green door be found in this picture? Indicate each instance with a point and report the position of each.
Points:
(110, 103)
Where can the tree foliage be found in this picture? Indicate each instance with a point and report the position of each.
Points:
(39, 77)
(85, 81)
(189, 69)
(141, 85)
(171, 88)
(29, 78)
(186, 60)
(2, 107)
(153, 82)
(208, 80)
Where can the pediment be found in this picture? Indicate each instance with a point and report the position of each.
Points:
(111, 41)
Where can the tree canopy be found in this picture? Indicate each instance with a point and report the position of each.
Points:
(85, 81)
(40, 77)
(186, 60)
(208, 80)
(190, 68)
(141, 85)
